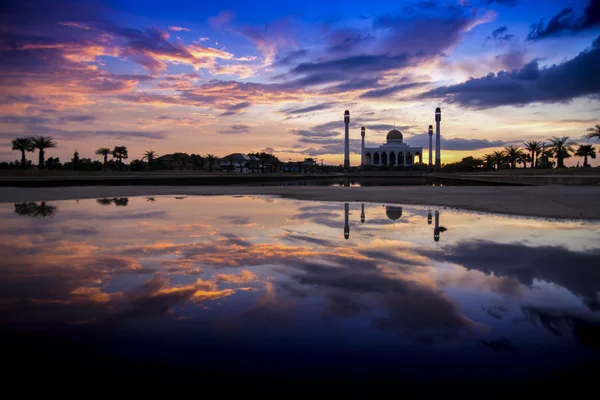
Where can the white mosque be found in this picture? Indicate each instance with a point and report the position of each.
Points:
(394, 152)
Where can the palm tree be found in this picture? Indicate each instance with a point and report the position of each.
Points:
(34, 210)
(594, 132)
(105, 152)
(120, 153)
(24, 208)
(211, 159)
(149, 155)
(560, 149)
(513, 153)
(42, 143)
(43, 210)
(585, 151)
(534, 147)
(488, 159)
(23, 145)
(498, 158)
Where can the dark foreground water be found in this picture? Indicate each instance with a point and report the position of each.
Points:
(264, 290)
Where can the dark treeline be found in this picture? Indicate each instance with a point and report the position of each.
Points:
(534, 154)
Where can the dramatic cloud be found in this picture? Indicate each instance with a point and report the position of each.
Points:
(306, 110)
(500, 36)
(236, 129)
(557, 83)
(390, 90)
(575, 271)
(565, 22)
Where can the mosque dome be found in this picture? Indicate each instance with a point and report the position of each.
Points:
(394, 134)
(393, 213)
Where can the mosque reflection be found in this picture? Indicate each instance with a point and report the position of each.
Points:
(262, 280)
(393, 213)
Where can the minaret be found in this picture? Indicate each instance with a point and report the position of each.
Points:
(438, 152)
(429, 218)
(430, 145)
(346, 226)
(347, 141)
(436, 229)
(362, 213)
(362, 146)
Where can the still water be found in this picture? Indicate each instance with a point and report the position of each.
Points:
(263, 288)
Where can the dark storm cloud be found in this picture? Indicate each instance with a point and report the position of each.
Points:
(500, 36)
(317, 107)
(576, 271)
(377, 93)
(356, 64)
(554, 84)
(422, 140)
(565, 22)
(235, 129)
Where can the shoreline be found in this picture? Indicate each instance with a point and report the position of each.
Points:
(560, 202)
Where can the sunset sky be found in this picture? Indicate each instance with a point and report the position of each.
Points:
(239, 76)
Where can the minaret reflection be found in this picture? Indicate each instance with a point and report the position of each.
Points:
(429, 218)
(346, 226)
(437, 229)
(362, 213)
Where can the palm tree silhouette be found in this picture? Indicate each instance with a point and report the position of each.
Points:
(514, 154)
(149, 155)
(534, 147)
(585, 151)
(211, 159)
(488, 159)
(31, 209)
(105, 152)
(104, 202)
(23, 145)
(594, 132)
(121, 201)
(498, 158)
(42, 143)
(560, 147)
(24, 208)
(120, 153)
(43, 210)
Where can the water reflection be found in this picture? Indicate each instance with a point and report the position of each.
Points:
(119, 202)
(32, 209)
(269, 285)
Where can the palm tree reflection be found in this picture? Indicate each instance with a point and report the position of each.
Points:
(117, 201)
(35, 210)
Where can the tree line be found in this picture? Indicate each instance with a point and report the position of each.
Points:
(536, 154)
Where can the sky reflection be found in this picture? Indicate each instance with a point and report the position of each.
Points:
(332, 281)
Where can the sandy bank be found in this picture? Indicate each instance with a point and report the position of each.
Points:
(538, 201)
